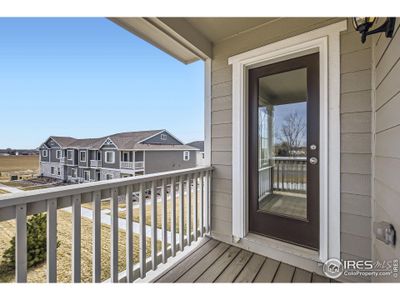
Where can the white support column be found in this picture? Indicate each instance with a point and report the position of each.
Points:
(76, 238)
(21, 262)
(114, 234)
(52, 240)
(129, 234)
(96, 237)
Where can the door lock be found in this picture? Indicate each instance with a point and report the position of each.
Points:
(313, 160)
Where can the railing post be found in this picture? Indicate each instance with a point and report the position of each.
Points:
(153, 225)
(201, 204)
(96, 237)
(181, 216)
(76, 238)
(164, 237)
(189, 209)
(21, 262)
(114, 234)
(196, 199)
(173, 217)
(129, 234)
(51, 240)
(142, 234)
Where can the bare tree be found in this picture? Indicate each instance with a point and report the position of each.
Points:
(292, 132)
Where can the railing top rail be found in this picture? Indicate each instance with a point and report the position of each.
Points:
(289, 158)
(64, 191)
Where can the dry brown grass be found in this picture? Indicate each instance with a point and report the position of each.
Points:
(64, 227)
(105, 204)
(19, 163)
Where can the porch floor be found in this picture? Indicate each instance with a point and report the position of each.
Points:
(216, 261)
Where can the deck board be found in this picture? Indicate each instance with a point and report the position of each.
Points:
(219, 266)
(215, 261)
(284, 273)
(176, 272)
(267, 271)
(235, 267)
(250, 270)
(198, 269)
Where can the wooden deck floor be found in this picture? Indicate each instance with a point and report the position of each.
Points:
(215, 261)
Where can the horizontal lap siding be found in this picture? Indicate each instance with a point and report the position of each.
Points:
(387, 138)
(355, 123)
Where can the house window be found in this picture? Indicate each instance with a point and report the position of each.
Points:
(58, 171)
(73, 173)
(125, 156)
(186, 155)
(82, 155)
(110, 157)
(52, 170)
(163, 137)
(44, 153)
(58, 154)
(86, 175)
(202, 155)
(70, 154)
(98, 155)
(109, 176)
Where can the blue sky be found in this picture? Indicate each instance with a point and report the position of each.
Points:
(87, 77)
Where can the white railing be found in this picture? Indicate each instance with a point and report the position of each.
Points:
(95, 163)
(126, 165)
(177, 184)
(139, 164)
(290, 173)
(62, 160)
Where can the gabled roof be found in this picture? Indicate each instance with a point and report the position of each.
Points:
(124, 141)
(197, 144)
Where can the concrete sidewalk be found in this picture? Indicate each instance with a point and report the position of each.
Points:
(10, 189)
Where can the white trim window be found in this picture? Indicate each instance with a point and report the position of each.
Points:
(73, 173)
(186, 155)
(163, 137)
(109, 176)
(86, 175)
(82, 156)
(58, 171)
(45, 153)
(70, 154)
(109, 157)
(52, 171)
(58, 154)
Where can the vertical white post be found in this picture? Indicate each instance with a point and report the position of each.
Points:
(96, 237)
(153, 225)
(181, 216)
(189, 209)
(207, 202)
(173, 217)
(76, 238)
(129, 234)
(164, 238)
(142, 229)
(196, 199)
(114, 234)
(21, 263)
(201, 204)
(52, 240)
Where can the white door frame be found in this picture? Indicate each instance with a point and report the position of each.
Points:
(326, 41)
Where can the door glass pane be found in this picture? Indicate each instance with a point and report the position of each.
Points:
(282, 144)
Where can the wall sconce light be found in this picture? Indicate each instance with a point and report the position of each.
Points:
(364, 24)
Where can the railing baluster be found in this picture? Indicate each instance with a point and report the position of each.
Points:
(173, 217)
(21, 263)
(208, 202)
(114, 234)
(76, 238)
(201, 204)
(164, 237)
(189, 209)
(142, 227)
(129, 234)
(51, 240)
(96, 236)
(153, 225)
(181, 215)
(196, 198)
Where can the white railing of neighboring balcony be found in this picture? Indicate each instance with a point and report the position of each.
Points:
(177, 184)
(95, 163)
(126, 165)
(139, 164)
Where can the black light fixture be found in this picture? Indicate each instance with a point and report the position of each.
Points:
(364, 24)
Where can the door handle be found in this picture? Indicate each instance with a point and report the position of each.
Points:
(313, 160)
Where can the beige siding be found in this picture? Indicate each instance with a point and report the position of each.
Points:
(386, 60)
(355, 123)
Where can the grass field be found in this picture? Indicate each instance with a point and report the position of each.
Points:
(64, 229)
(19, 163)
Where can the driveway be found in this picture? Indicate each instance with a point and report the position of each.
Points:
(10, 189)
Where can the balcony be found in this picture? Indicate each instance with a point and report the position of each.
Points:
(95, 163)
(63, 160)
(132, 165)
(179, 228)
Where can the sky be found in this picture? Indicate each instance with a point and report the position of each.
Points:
(88, 77)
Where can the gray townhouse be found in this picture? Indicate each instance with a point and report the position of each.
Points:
(119, 155)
